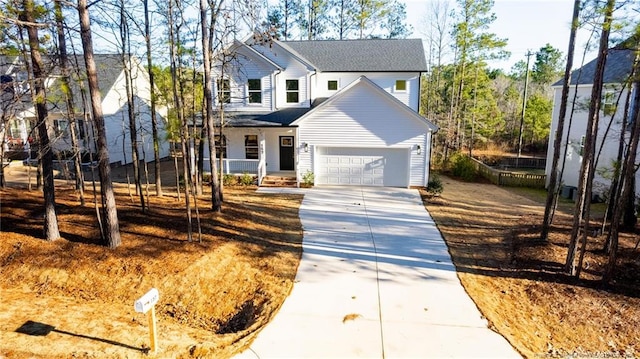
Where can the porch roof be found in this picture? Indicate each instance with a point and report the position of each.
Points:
(283, 117)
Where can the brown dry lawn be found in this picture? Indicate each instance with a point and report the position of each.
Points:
(519, 284)
(74, 298)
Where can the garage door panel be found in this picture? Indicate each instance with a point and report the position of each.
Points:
(363, 166)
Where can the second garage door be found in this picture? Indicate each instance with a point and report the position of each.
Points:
(362, 166)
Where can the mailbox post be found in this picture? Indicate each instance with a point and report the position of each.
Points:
(147, 304)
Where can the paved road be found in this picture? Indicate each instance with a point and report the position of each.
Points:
(375, 281)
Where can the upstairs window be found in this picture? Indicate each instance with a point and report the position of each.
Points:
(15, 127)
(224, 91)
(401, 85)
(60, 128)
(608, 102)
(332, 85)
(251, 147)
(293, 91)
(81, 129)
(255, 90)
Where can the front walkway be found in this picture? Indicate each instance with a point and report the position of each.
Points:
(375, 280)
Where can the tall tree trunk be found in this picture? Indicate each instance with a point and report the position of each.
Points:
(112, 227)
(152, 92)
(51, 231)
(174, 35)
(216, 200)
(583, 202)
(615, 189)
(628, 177)
(68, 94)
(552, 189)
(127, 65)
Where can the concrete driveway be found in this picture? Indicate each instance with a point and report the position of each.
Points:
(375, 281)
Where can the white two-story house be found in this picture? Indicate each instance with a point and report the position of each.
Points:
(112, 82)
(345, 111)
(616, 90)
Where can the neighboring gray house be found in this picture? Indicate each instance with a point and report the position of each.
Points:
(618, 68)
(346, 111)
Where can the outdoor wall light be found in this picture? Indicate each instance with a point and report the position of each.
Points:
(419, 149)
(306, 147)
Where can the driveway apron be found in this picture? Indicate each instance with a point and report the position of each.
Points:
(375, 281)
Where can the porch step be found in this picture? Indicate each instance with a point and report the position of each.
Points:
(278, 181)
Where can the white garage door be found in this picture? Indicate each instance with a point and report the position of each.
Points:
(363, 166)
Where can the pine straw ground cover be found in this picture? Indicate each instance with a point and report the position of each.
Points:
(74, 298)
(519, 285)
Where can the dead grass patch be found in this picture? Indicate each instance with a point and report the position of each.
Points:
(519, 284)
(214, 294)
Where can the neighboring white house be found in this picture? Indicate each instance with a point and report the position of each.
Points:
(618, 68)
(111, 79)
(13, 130)
(346, 111)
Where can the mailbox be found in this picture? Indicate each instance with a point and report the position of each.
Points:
(147, 301)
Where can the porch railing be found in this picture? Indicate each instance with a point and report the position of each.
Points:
(236, 166)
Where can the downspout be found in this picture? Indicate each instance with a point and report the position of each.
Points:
(309, 86)
(315, 72)
(428, 157)
(420, 91)
(274, 95)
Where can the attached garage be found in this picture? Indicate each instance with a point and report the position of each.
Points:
(362, 166)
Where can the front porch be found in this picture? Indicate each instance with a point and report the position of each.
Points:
(238, 167)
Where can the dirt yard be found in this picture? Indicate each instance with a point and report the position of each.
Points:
(74, 298)
(519, 284)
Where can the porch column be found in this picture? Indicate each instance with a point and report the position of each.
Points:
(262, 163)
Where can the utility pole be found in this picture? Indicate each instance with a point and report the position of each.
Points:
(524, 107)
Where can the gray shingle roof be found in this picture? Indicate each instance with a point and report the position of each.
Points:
(617, 68)
(283, 117)
(108, 66)
(371, 55)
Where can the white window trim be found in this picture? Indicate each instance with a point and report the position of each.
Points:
(218, 92)
(406, 86)
(609, 99)
(337, 85)
(287, 91)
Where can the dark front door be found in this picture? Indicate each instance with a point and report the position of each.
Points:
(286, 153)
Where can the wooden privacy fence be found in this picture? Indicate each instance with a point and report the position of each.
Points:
(523, 162)
(509, 179)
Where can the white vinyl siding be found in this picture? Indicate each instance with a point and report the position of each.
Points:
(573, 160)
(387, 81)
(115, 109)
(248, 65)
(381, 124)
